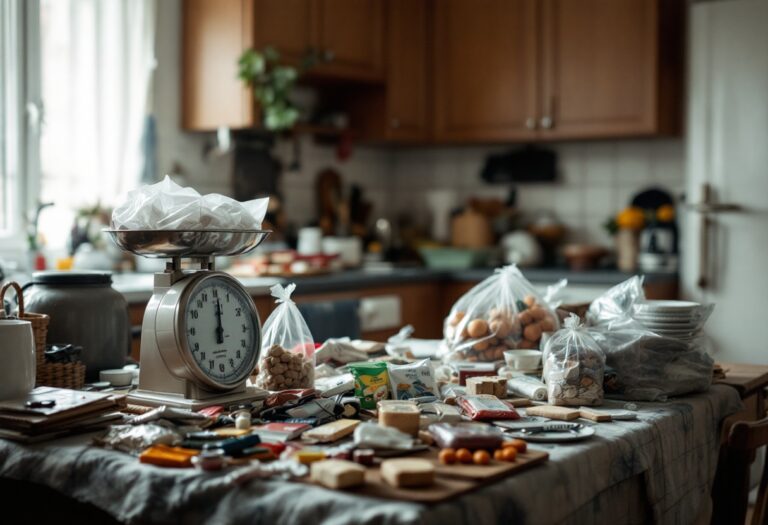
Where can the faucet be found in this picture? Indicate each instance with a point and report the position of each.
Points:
(33, 225)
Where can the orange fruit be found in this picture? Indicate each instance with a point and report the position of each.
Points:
(498, 454)
(464, 455)
(631, 218)
(481, 457)
(510, 454)
(520, 445)
(447, 456)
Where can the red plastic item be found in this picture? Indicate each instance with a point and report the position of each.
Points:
(486, 407)
(40, 263)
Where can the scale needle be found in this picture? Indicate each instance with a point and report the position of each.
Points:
(219, 329)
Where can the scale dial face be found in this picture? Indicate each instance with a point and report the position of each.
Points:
(221, 329)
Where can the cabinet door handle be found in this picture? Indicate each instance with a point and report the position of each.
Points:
(530, 123)
(546, 122)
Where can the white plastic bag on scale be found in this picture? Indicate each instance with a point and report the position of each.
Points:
(168, 206)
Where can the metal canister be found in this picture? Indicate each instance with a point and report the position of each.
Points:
(85, 311)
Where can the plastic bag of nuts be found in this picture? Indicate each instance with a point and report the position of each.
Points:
(287, 359)
(501, 313)
(574, 366)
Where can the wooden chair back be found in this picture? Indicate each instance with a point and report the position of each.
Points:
(743, 441)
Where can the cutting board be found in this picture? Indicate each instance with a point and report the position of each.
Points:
(450, 480)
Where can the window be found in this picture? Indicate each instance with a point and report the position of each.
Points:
(18, 127)
(75, 78)
(96, 62)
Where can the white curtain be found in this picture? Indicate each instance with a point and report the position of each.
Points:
(97, 63)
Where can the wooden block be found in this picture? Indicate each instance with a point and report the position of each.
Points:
(331, 431)
(402, 415)
(337, 473)
(519, 402)
(553, 412)
(408, 472)
(488, 385)
(595, 415)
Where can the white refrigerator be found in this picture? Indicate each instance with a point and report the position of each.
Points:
(725, 220)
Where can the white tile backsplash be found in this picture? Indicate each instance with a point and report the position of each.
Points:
(595, 179)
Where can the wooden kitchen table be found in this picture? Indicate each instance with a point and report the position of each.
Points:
(659, 468)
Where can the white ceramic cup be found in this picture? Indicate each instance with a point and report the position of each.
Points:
(17, 350)
(523, 359)
(349, 249)
(310, 241)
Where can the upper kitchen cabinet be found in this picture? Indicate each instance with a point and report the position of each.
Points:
(348, 36)
(215, 34)
(398, 111)
(611, 68)
(350, 39)
(485, 70)
(514, 70)
(286, 25)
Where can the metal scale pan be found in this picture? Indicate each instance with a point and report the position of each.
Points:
(163, 244)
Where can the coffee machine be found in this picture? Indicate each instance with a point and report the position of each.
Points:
(658, 249)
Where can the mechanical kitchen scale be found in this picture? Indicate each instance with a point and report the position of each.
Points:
(201, 334)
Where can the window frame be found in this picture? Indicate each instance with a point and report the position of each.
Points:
(20, 96)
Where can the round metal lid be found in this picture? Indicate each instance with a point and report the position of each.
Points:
(69, 277)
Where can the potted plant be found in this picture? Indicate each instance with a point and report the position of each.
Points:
(272, 83)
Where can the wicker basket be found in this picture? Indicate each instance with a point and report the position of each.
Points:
(61, 375)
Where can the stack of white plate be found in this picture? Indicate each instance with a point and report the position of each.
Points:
(675, 319)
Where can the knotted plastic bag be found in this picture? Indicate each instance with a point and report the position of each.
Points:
(287, 357)
(574, 366)
(503, 312)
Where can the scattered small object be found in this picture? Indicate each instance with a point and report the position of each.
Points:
(209, 460)
(62, 353)
(243, 421)
(40, 403)
(116, 377)
(363, 456)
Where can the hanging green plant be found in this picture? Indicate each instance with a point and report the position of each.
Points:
(272, 83)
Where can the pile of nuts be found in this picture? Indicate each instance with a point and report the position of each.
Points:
(281, 369)
(486, 336)
(575, 378)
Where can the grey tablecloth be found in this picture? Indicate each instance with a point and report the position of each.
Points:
(659, 467)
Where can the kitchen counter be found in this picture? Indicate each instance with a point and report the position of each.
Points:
(137, 287)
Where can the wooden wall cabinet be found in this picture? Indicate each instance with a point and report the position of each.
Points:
(485, 70)
(350, 39)
(511, 70)
(399, 110)
(611, 68)
(348, 36)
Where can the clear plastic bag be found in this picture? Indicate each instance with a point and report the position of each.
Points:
(287, 358)
(501, 313)
(168, 206)
(642, 365)
(574, 366)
